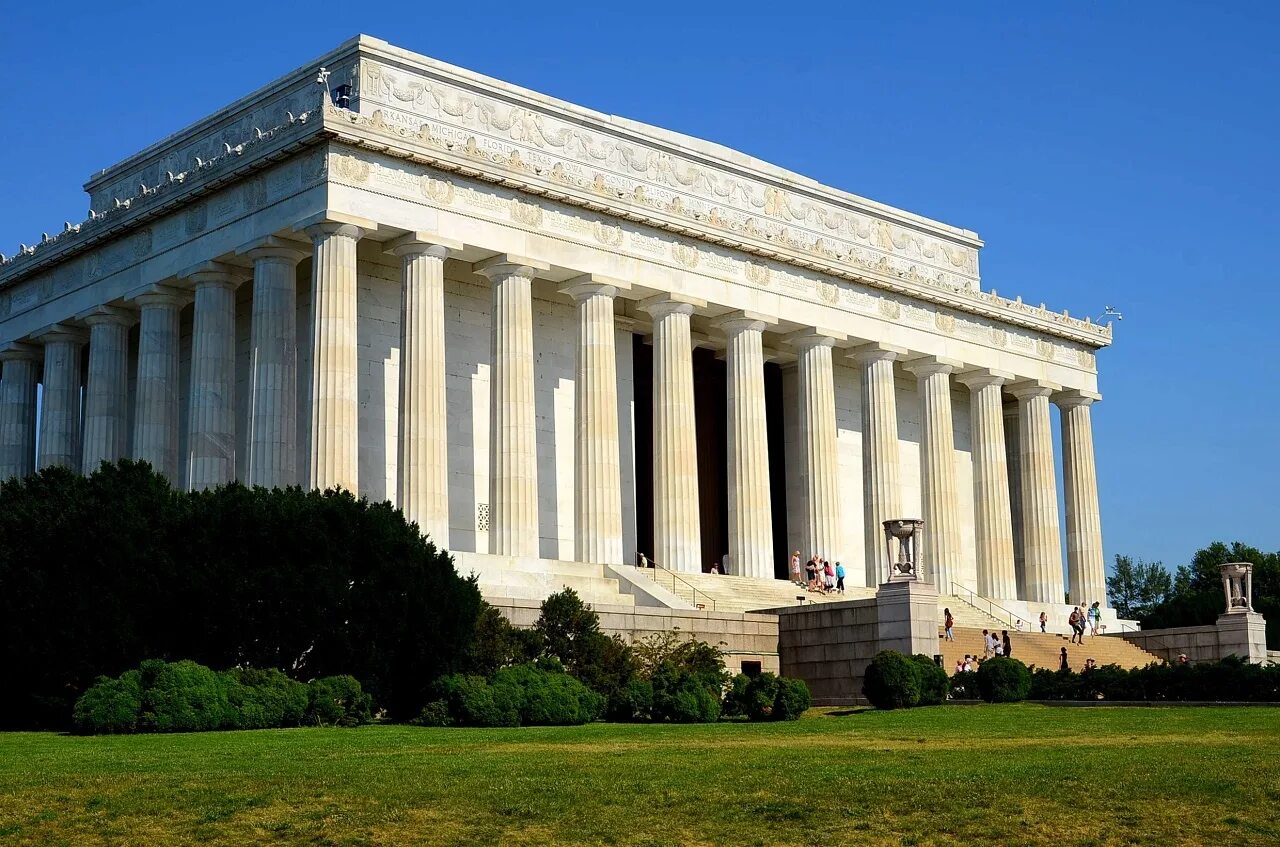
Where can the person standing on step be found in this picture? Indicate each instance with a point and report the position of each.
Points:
(839, 577)
(1063, 665)
(986, 644)
(1095, 616)
(828, 576)
(795, 568)
(1008, 645)
(1044, 619)
(947, 623)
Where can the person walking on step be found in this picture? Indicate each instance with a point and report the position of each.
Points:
(839, 577)
(1074, 623)
(1095, 617)
(947, 623)
(1008, 645)
(1044, 619)
(986, 644)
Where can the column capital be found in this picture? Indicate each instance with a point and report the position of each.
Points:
(927, 366)
(590, 285)
(108, 315)
(214, 273)
(335, 223)
(671, 304)
(273, 247)
(19, 350)
(160, 295)
(507, 264)
(1030, 388)
(742, 320)
(814, 336)
(422, 244)
(60, 332)
(1070, 398)
(877, 351)
(980, 378)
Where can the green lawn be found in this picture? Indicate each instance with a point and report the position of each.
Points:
(981, 775)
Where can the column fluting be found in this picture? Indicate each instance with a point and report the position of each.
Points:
(940, 551)
(21, 365)
(993, 520)
(597, 458)
(677, 529)
(333, 409)
(157, 405)
(422, 486)
(1086, 566)
(211, 423)
(882, 493)
(60, 399)
(819, 456)
(513, 454)
(1040, 525)
(747, 441)
(272, 459)
(106, 393)
(1013, 458)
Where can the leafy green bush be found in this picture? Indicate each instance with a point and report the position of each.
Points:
(761, 695)
(184, 697)
(338, 701)
(792, 700)
(110, 705)
(933, 681)
(682, 698)
(1230, 680)
(892, 681)
(633, 703)
(472, 701)
(265, 698)
(735, 697)
(964, 685)
(1003, 680)
(549, 697)
(435, 713)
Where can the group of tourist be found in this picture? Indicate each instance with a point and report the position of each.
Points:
(993, 645)
(1089, 617)
(819, 574)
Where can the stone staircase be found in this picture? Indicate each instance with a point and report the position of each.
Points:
(520, 578)
(1042, 649)
(723, 593)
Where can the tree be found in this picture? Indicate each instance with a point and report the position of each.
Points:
(1196, 597)
(1137, 587)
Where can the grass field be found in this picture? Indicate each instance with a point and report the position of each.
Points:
(981, 775)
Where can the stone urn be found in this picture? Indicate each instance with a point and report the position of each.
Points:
(906, 533)
(1237, 585)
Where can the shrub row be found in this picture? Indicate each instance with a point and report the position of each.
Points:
(897, 681)
(534, 694)
(1231, 679)
(188, 697)
(766, 697)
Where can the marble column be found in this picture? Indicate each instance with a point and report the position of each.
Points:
(993, 521)
(1013, 459)
(1086, 568)
(513, 452)
(677, 530)
(1040, 526)
(158, 401)
(882, 493)
(60, 400)
(597, 456)
(271, 444)
(819, 453)
(106, 393)
(747, 440)
(211, 422)
(422, 486)
(333, 410)
(19, 373)
(940, 552)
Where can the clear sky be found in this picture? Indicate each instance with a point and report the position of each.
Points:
(1120, 154)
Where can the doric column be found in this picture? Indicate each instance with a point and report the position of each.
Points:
(1013, 458)
(21, 364)
(513, 454)
(422, 487)
(333, 411)
(106, 393)
(211, 423)
(940, 553)
(819, 454)
(1086, 568)
(993, 521)
(677, 529)
(597, 460)
(747, 440)
(60, 403)
(157, 405)
(1039, 494)
(273, 364)
(880, 482)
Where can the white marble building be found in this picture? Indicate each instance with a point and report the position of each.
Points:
(552, 335)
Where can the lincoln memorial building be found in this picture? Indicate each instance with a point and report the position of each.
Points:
(563, 342)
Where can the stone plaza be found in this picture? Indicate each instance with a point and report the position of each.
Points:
(560, 341)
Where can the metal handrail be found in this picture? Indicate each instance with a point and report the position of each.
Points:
(647, 564)
(991, 609)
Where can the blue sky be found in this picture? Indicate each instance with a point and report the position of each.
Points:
(1119, 154)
